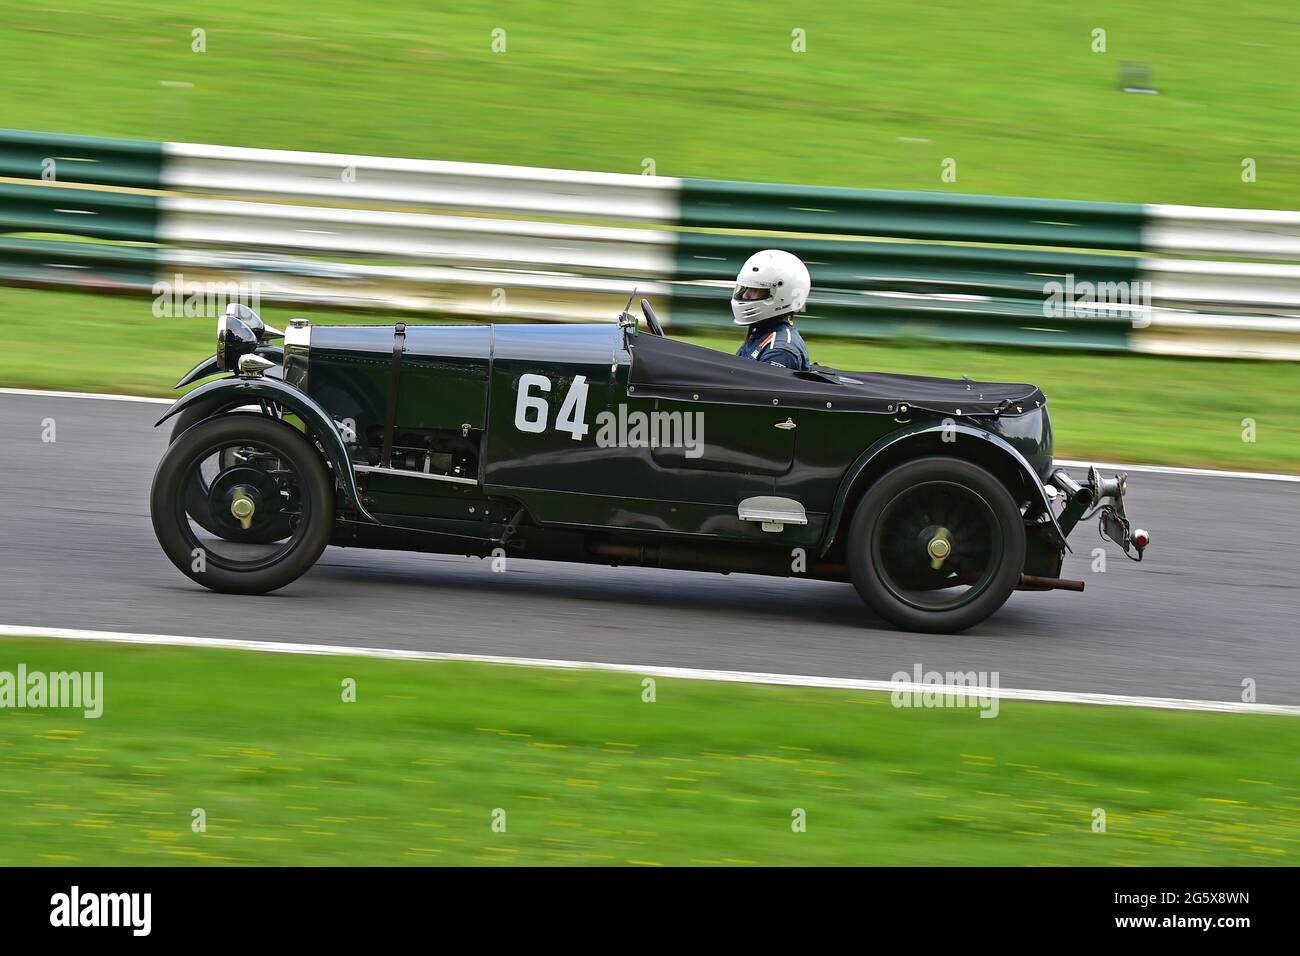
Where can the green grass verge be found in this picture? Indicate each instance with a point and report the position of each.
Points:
(1110, 407)
(586, 772)
(885, 91)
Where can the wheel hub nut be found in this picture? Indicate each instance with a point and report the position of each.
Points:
(938, 548)
(242, 508)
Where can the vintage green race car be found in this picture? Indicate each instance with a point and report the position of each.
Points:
(604, 444)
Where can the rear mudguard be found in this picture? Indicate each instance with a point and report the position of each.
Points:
(251, 391)
(208, 366)
(865, 459)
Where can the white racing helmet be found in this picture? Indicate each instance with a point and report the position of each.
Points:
(770, 283)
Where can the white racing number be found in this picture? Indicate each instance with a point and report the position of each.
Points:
(532, 411)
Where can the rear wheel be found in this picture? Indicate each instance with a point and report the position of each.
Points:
(265, 512)
(936, 544)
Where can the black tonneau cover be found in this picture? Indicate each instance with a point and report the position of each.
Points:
(666, 368)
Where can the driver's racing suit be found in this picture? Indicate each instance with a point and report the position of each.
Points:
(777, 342)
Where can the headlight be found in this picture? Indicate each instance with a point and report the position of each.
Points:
(237, 310)
(234, 339)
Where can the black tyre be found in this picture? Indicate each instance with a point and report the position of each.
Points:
(936, 544)
(268, 498)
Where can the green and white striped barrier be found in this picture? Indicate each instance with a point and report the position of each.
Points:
(510, 242)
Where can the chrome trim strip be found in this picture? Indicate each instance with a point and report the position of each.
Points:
(377, 470)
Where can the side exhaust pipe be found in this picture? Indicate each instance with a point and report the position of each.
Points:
(1032, 582)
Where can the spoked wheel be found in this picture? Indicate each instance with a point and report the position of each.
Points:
(204, 505)
(937, 544)
(197, 488)
(242, 503)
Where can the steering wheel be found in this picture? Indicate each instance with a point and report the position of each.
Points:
(651, 319)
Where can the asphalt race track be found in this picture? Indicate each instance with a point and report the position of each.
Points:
(1214, 603)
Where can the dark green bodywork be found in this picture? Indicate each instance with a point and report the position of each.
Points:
(465, 478)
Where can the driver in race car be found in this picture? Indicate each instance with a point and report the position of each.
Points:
(771, 287)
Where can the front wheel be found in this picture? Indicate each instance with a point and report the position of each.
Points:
(937, 544)
(196, 490)
(268, 504)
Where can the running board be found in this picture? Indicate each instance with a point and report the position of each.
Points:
(772, 512)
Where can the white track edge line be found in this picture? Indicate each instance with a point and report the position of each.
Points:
(1066, 462)
(682, 673)
(102, 396)
(1175, 470)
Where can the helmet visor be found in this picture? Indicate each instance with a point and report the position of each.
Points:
(745, 293)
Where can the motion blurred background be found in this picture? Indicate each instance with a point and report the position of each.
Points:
(939, 165)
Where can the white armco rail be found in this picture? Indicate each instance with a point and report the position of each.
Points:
(375, 233)
(381, 180)
(484, 240)
(1206, 231)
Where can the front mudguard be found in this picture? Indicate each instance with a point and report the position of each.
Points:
(320, 426)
